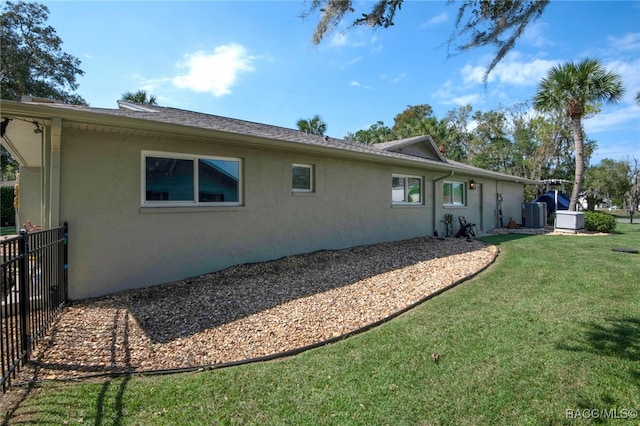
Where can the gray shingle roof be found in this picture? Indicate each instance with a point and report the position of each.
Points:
(180, 117)
(190, 119)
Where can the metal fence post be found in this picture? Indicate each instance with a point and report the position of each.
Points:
(66, 261)
(23, 252)
(33, 268)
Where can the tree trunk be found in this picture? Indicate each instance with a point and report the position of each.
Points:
(579, 151)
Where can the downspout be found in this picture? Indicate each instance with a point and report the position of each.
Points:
(434, 197)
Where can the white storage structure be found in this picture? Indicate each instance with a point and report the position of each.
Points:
(569, 221)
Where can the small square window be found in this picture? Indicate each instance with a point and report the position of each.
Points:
(302, 178)
(454, 194)
(406, 190)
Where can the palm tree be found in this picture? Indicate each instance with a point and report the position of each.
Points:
(314, 125)
(139, 97)
(577, 89)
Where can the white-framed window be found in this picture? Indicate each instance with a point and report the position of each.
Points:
(406, 189)
(454, 194)
(172, 179)
(302, 178)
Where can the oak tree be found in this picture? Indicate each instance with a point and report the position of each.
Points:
(32, 61)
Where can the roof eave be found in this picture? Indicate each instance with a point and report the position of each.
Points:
(46, 112)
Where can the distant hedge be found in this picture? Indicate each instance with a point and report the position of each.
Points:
(7, 212)
(599, 222)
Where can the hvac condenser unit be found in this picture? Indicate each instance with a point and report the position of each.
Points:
(534, 215)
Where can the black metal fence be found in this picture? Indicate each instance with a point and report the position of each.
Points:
(34, 287)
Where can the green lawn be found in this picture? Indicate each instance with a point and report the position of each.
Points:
(619, 213)
(551, 330)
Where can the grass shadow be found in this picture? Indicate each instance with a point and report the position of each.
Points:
(119, 354)
(612, 337)
(102, 413)
(617, 337)
(119, 349)
(503, 238)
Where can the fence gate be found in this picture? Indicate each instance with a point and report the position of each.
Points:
(34, 287)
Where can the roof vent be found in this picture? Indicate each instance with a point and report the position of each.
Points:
(35, 100)
(132, 106)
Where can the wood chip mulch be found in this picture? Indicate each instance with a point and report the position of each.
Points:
(250, 311)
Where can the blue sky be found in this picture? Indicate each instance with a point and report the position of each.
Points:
(254, 60)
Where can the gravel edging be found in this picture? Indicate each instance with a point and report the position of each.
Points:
(254, 311)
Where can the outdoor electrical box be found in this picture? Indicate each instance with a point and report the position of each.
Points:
(569, 220)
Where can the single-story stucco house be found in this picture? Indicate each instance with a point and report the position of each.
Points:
(156, 194)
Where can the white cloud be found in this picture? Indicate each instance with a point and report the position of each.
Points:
(377, 48)
(214, 72)
(607, 121)
(356, 83)
(445, 91)
(338, 39)
(511, 70)
(398, 78)
(535, 35)
(522, 73)
(447, 94)
(628, 71)
(353, 39)
(435, 20)
(465, 100)
(630, 42)
(394, 79)
(149, 84)
(474, 74)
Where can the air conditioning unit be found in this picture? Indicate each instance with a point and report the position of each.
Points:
(534, 215)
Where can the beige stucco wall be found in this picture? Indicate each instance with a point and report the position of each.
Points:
(512, 199)
(482, 203)
(30, 194)
(114, 244)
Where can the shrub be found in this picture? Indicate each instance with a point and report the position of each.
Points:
(7, 212)
(599, 222)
